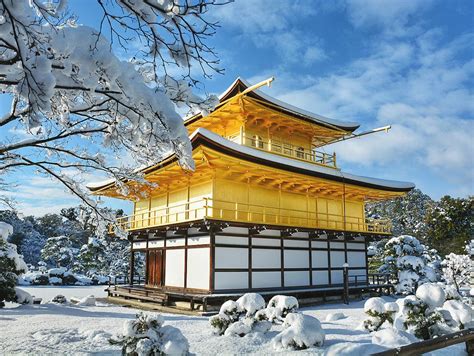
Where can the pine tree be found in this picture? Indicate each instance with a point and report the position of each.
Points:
(11, 265)
(450, 224)
(59, 252)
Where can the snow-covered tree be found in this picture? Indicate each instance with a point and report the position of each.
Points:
(411, 262)
(26, 235)
(59, 252)
(406, 213)
(11, 266)
(92, 257)
(146, 335)
(457, 270)
(80, 103)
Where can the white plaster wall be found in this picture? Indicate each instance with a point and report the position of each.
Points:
(231, 280)
(336, 245)
(231, 240)
(179, 241)
(231, 257)
(294, 279)
(337, 258)
(336, 277)
(265, 258)
(236, 230)
(266, 242)
(141, 244)
(356, 259)
(199, 240)
(319, 259)
(355, 246)
(295, 243)
(319, 244)
(266, 279)
(156, 243)
(174, 269)
(270, 232)
(198, 268)
(320, 277)
(300, 234)
(296, 259)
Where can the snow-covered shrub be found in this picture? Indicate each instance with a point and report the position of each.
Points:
(59, 299)
(379, 312)
(428, 314)
(146, 335)
(277, 309)
(300, 332)
(250, 303)
(335, 316)
(457, 270)
(248, 314)
(23, 297)
(392, 338)
(11, 266)
(460, 312)
(411, 262)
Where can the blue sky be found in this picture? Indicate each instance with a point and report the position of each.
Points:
(405, 63)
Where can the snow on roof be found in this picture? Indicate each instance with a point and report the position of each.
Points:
(314, 117)
(290, 162)
(300, 164)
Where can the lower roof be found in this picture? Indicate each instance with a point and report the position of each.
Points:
(207, 138)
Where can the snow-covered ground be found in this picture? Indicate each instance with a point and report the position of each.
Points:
(57, 329)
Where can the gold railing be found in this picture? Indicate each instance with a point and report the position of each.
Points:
(286, 149)
(251, 213)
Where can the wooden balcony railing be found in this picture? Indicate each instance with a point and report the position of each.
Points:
(251, 213)
(286, 149)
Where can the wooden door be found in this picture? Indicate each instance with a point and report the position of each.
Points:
(154, 268)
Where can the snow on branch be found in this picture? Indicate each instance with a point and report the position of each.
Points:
(80, 103)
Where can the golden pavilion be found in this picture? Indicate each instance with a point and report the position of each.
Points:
(266, 208)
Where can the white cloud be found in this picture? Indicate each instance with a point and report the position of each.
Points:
(275, 24)
(422, 88)
(393, 16)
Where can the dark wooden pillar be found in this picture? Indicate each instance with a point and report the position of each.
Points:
(132, 263)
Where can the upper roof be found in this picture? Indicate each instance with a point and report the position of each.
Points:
(213, 140)
(239, 85)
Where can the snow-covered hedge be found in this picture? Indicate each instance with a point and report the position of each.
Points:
(146, 335)
(301, 332)
(60, 276)
(425, 315)
(248, 314)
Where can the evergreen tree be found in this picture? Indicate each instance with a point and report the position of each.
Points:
(59, 252)
(406, 213)
(11, 266)
(450, 224)
(93, 257)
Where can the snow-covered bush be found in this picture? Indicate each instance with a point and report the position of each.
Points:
(335, 316)
(392, 338)
(457, 270)
(277, 309)
(411, 262)
(11, 266)
(428, 314)
(249, 314)
(379, 312)
(146, 335)
(59, 299)
(238, 316)
(300, 332)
